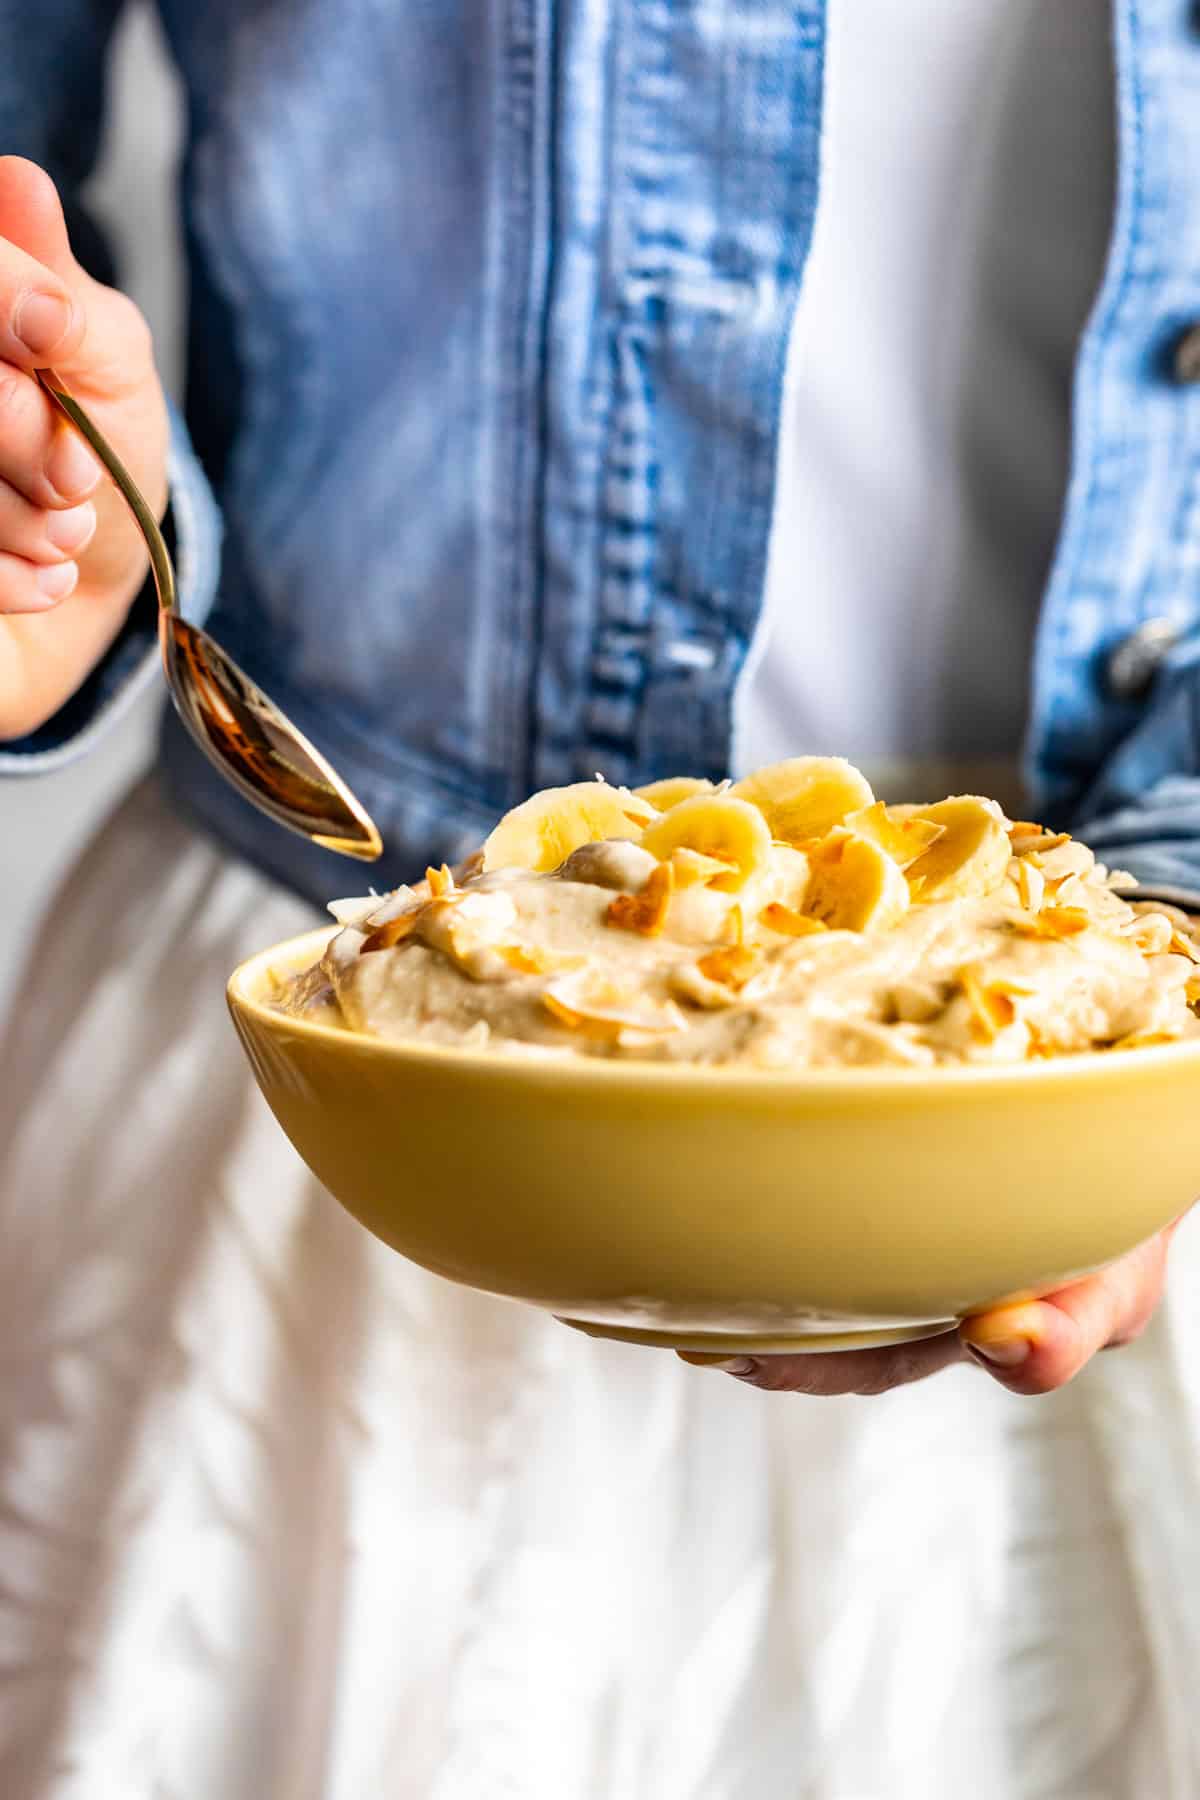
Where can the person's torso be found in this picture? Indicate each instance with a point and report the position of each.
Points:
(490, 315)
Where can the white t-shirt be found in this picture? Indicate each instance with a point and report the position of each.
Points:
(966, 202)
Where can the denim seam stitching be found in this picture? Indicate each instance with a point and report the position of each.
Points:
(1075, 546)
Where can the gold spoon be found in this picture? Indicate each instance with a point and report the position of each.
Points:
(241, 732)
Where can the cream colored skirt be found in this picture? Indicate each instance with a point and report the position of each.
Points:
(283, 1518)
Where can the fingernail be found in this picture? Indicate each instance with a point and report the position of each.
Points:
(58, 581)
(71, 531)
(71, 469)
(1002, 1353)
(728, 1365)
(42, 322)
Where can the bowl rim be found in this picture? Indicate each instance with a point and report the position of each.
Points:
(294, 954)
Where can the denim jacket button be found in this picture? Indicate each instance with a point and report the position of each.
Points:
(1186, 360)
(1136, 660)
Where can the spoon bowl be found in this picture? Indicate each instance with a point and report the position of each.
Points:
(241, 731)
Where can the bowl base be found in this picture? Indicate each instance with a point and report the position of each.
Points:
(802, 1343)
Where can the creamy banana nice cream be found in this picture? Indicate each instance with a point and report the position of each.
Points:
(790, 921)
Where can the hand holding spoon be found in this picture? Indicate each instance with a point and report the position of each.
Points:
(238, 728)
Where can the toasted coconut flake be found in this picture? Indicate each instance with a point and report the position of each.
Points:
(1064, 921)
(637, 810)
(731, 879)
(735, 924)
(537, 960)
(1031, 886)
(599, 1009)
(587, 1026)
(688, 984)
(991, 1003)
(731, 966)
(1036, 840)
(1182, 945)
(1192, 990)
(790, 923)
(904, 839)
(341, 952)
(400, 900)
(693, 867)
(356, 912)
(1150, 932)
(1026, 828)
(391, 932)
(830, 848)
(1142, 1040)
(441, 881)
(1065, 890)
(645, 912)
(1054, 922)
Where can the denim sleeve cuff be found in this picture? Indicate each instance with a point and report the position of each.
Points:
(1157, 840)
(130, 666)
(1143, 811)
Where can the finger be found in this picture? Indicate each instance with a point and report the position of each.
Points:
(840, 1371)
(41, 321)
(40, 535)
(40, 454)
(1041, 1345)
(27, 587)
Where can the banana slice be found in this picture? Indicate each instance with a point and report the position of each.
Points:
(662, 795)
(904, 839)
(971, 856)
(542, 832)
(854, 885)
(718, 826)
(805, 797)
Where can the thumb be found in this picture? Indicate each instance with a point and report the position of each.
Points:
(31, 217)
(44, 294)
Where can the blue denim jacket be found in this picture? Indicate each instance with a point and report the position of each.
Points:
(488, 318)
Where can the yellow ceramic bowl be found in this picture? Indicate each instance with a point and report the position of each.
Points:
(715, 1209)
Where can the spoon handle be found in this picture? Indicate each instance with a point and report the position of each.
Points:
(127, 487)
